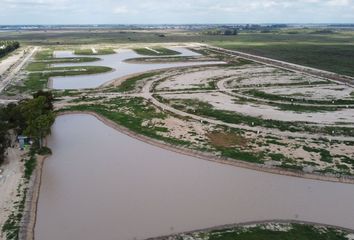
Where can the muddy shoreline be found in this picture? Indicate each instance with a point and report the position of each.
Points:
(29, 217)
(167, 237)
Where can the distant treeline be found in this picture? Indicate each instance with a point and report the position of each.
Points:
(234, 30)
(227, 32)
(7, 47)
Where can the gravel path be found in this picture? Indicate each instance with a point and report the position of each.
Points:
(7, 79)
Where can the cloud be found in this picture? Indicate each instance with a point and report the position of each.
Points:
(182, 11)
(339, 3)
(121, 9)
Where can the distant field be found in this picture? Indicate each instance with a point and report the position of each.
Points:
(332, 51)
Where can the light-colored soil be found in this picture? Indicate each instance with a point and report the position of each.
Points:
(10, 178)
(192, 131)
(268, 76)
(14, 69)
(195, 79)
(317, 93)
(10, 60)
(225, 102)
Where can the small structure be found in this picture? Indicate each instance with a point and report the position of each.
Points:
(22, 140)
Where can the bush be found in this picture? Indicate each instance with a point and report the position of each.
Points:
(7, 47)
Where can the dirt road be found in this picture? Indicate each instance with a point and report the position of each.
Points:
(10, 73)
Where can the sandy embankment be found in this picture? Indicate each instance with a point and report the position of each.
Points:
(10, 178)
(10, 60)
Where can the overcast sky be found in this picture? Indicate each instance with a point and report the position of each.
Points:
(175, 11)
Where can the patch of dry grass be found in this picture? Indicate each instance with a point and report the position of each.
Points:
(224, 139)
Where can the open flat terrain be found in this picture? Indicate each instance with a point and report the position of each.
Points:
(307, 47)
(174, 89)
(239, 110)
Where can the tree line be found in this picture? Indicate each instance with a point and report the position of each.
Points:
(7, 47)
(226, 32)
(31, 117)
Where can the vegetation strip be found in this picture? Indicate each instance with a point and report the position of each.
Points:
(104, 51)
(156, 51)
(277, 230)
(7, 47)
(32, 118)
(268, 96)
(40, 71)
(200, 108)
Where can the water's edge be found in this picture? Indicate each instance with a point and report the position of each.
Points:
(252, 223)
(29, 217)
(28, 222)
(211, 157)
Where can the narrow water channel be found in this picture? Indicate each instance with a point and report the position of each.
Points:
(102, 184)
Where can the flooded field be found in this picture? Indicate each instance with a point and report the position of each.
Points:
(117, 62)
(102, 184)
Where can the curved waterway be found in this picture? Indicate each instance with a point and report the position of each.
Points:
(102, 184)
(117, 63)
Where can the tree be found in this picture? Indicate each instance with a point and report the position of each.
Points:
(4, 141)
(229, 32)
(33, 117)
(40, 126)
(7, 47)
(13, 117)
(39, 118)
(48, 96)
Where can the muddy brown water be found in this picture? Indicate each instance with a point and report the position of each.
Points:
(102, 184)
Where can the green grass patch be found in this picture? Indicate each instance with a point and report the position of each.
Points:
(44, 55)
(131, 113)
(72, 71)
(130, 83)
(30, 165)
(314, 50)
(39, 80)
(347, 159)
(277, 156)
(275, 142)
(37, 66)
(242, 155)
(40, 71)
(274, 97)
(325, 154)
(158, 51)
(260, 232)
(207, 110)
(103, 51)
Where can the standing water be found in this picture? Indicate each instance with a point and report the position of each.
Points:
(102, 184)
(120, 67)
